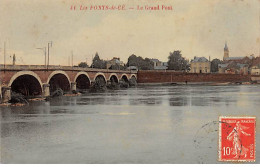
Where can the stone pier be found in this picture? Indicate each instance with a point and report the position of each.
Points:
(46, 89)
(6, 94)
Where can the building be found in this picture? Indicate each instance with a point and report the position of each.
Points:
(114, 61)
(255, 70)
(243, 60)
(161, 68)
(226, 52)
(255, 67)
(132, 68)
(222, 68)
(235, 65)
(237, 68)
(156, 62)
(165, 64)
(200, 65)
(226, 58)
(158, 65)
(233, 68)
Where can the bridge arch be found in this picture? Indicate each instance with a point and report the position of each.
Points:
(82, 80)
(26, 83)
(20, 73)
(113, 77)
(58, 72)
(59, 79)
(100, 81)
(133, 75)
(100, 74)
(132, 80)
(124, 77)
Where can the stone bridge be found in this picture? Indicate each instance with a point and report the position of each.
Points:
(37, 80)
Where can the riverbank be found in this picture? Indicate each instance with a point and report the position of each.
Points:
(197, 83)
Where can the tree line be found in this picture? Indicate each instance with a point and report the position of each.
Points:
(175, 62)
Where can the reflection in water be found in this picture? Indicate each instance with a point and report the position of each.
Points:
(178, 101)
(202, 95)
(146, 101)
(148, 124)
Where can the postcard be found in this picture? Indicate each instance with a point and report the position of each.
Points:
(129, 81)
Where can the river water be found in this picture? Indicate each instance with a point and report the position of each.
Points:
(148, 124)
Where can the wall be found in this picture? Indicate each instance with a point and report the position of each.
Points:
(174, 77)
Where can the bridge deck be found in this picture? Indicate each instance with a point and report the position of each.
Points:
(55, 67)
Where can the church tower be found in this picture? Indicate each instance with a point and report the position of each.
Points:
(226, 52)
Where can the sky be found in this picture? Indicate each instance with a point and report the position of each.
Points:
(196, 27)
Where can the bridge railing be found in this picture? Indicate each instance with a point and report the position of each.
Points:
(55, 67)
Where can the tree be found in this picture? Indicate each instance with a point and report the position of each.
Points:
(214, 65)
(132, 61)
(98, 63)
(83, 64)
(147, 64)
(177, 62)
(117, 67)
(139, 62)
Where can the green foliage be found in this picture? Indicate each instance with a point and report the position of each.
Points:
(117, 67)
(83, 64)
(177, 62)
(139, 62)
(98, 63)
(214, 65)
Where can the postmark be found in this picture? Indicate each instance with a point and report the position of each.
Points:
(237, 139)
(206, 141)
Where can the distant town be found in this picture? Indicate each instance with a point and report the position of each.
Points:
(231, 65)
(176, 62)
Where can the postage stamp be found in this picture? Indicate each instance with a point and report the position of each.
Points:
(237, 139)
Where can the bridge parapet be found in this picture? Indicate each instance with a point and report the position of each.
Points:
(55, 67)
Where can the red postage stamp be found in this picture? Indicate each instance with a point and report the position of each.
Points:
(237, 138)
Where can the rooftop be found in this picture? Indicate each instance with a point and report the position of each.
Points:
(199, 59)
(234, 58)
(155, 60)
(222, 65)
(160, 67)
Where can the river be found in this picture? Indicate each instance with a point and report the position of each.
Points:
(147, 124)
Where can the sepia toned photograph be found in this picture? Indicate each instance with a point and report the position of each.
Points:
(129, 81)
